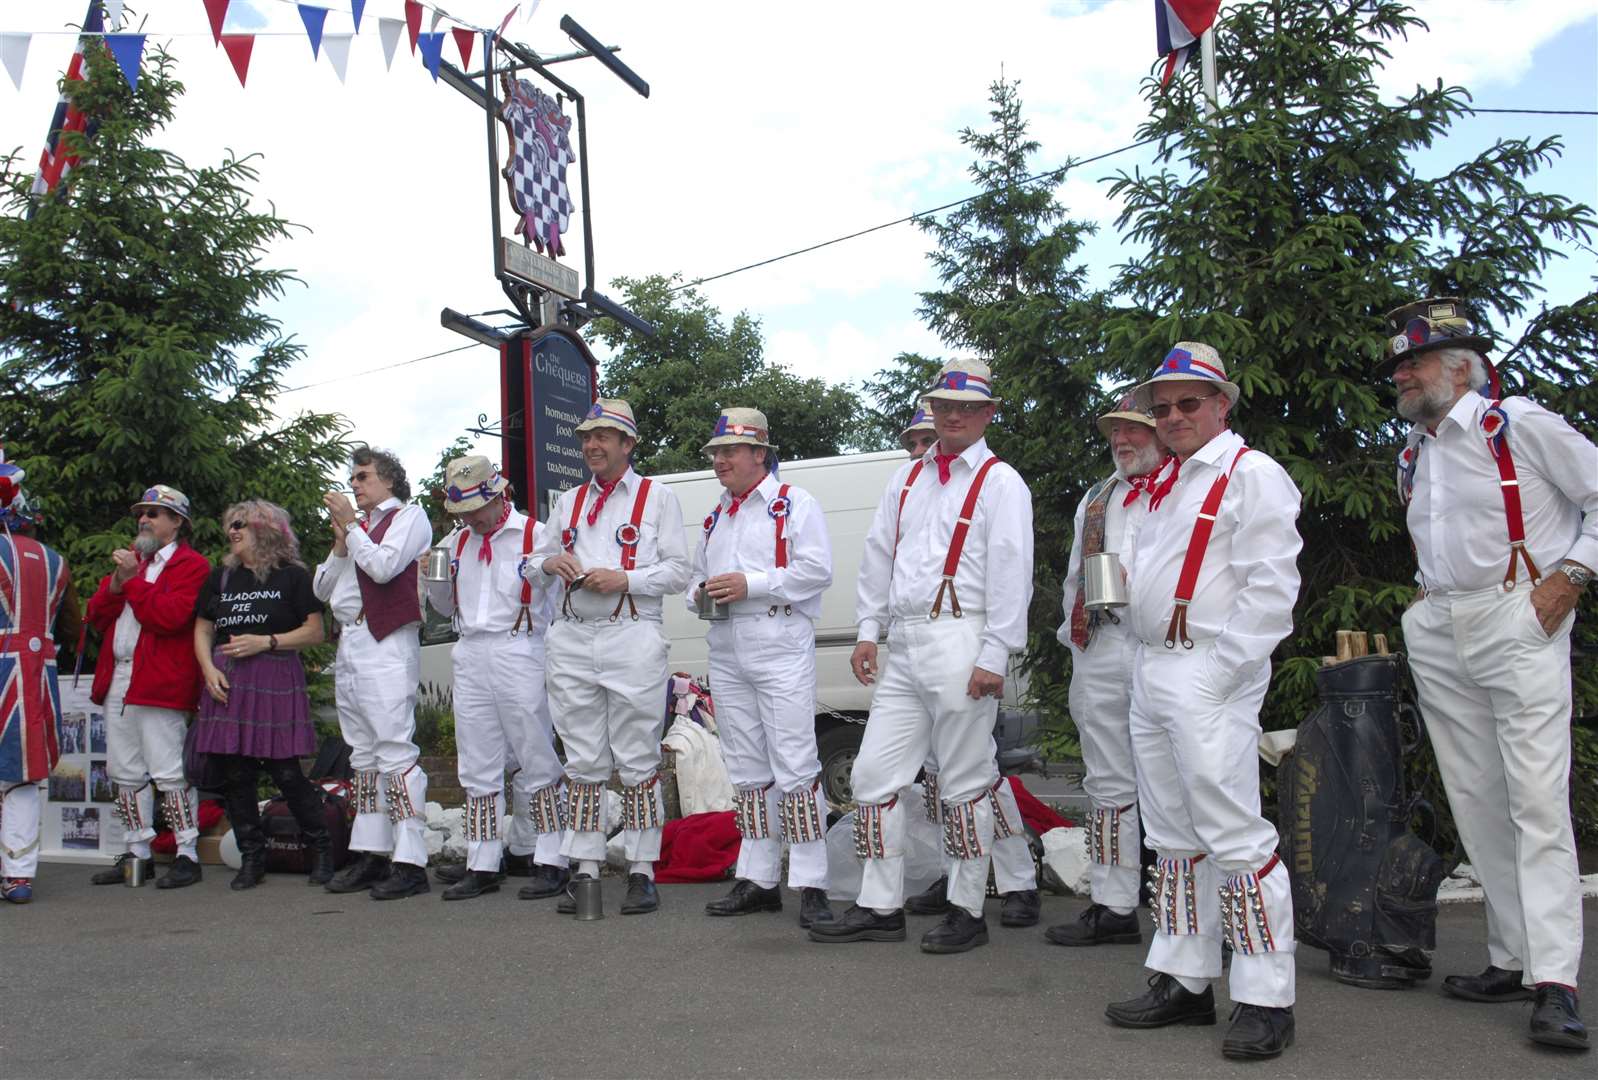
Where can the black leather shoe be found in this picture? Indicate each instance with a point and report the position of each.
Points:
(568, 902)
(933, 900)
(112, 875)
(1098, 925)
(404, 879)
(746, 898)
(251, 872)
(184, 871)
(449, 873)
(1494, 984)
(1258, 1032)
(960, 931)
(641, 895)
(475, 883)
(1020, 908)
(363, 871)
(1554, 1022)
(547, 881)
(814, 908)
(860, 924)
(321, 867)
(517, 865)
(1167, 1002)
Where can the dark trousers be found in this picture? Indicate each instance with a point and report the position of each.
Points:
(304, 800)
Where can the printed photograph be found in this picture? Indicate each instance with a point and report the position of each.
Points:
(73, 729)
(100, 789)
(68, 783)
(97, 733)
(80, 827)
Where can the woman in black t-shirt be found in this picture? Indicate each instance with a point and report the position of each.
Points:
(254, 613)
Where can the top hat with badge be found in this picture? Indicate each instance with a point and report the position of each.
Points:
(1442, 322)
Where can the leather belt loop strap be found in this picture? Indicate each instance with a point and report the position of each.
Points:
(1495, 424)
(1197, 544)
(524, 616)
(957, 543)
(629, 548)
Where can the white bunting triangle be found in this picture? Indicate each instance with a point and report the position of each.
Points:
(14, 53)
(113, 14)
(389, 31)
(527, 18)
(337, 48)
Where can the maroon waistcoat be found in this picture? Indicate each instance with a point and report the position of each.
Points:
(396, 603)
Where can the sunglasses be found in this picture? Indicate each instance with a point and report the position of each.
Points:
(1188, 405)
(236, 525)
(149, 512)
(969, 408)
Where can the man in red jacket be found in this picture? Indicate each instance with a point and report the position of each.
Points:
(148, 679)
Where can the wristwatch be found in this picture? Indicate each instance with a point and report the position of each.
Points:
(272, 638)
(1578, 575)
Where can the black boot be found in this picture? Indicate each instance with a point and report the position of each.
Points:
(746, 898)
(450, 873)
(960, 931)
(307, 802)
(474, 883)
(1555, 1021)
(517, 865)
(321, 855)
(1258, 1032)
(404, 879)
(238, 795)
(1167, 1002)
(933, 900)
(547, 881)
(363, 871)
(1098, 925)
(252, 853)
(184, 871)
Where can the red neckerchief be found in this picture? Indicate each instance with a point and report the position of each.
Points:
(943, 461)
(1159, 489)
(604, 493)
(1142, 484)
(738, 500)
(486, 553)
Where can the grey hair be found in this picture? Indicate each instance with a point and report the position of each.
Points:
(388, 466)
(1456, 358)
(271, 532)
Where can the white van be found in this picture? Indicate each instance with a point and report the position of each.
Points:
(848, 488)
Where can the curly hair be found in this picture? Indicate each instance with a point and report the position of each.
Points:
(388, 467)
(271, 533)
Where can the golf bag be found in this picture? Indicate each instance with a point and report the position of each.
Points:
(1364, 885)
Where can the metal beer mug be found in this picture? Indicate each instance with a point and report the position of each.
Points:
(133, 873)
(708, 609)
(590, 902)
(1103, 587)
(438, 559)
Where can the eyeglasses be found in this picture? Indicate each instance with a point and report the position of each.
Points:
(236, 525)
(716, 452)
(1188, 405)
(965, 408)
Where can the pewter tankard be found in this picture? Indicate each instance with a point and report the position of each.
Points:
(1103, 586)
(438, 559)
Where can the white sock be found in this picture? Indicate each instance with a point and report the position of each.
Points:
(645, 868)
(191, 849)
(140, 849)
(760, 883)
(1120, 910)
(589, 867)
(1192, 986)
(885, 911)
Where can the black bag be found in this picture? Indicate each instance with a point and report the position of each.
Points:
(285, 850)
(1364, 885)
(332, 761)
(200, 769)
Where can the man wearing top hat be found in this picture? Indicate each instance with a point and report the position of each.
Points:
(764, 556)
(148, 679)
(616, 544)
(1212, 582)
(501, 707)
(1501, 499)
(947, 571)
(1103, 659)
(369, 579)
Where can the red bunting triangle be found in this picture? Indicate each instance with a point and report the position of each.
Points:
(465, 39)
(238, 48)
(413, 21)
(216, 11)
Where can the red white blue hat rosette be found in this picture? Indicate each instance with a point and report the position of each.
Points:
(611, 413)
(1188, 361)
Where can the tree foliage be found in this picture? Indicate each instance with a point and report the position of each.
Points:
(697, 364)
(133, 347)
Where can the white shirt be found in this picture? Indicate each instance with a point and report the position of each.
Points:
(1121, 527)
(408, 537)
(126, 634)
(660, 564)
(994, 575)
(491, 592)
(1247, 585)
(1456, 512)
(746, 542)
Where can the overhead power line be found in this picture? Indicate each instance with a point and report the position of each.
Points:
(385, 367)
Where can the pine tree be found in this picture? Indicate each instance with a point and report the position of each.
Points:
(133, 345)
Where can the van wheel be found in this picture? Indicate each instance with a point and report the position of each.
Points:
(837, 748)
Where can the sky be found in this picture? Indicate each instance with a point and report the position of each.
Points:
(768, 128)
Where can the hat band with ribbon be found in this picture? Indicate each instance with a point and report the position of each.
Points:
(749, 431)
(599, 412)
(964, 380)
(1180, 361)
(484, 490)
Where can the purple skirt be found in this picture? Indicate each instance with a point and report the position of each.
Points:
(267, 714)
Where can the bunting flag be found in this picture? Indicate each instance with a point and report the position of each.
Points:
(128, 49)
(389, 31)
(530, 9)
(432, 46)
(113, 14)
(14, 54)
(216, 11)
(239, 47)
(338, 53)
(57, 160)
(464, 39)
(413, 21)
(357, 9)
(509, 15)
(1178, 24)
(313, 18)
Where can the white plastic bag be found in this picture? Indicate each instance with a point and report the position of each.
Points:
(923, 851)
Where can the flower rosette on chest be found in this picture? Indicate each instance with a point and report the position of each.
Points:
(628, 535)
(778, 508)
(1494, 424)
(568, 538)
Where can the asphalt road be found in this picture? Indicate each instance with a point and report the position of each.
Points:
(291, 981)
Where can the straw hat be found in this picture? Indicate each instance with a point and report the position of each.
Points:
(1188, 361)
(471, 483)
(741, 427)
(163, 497)
(1125, 409)
(921, 421)
(611, 413)
(963, 380)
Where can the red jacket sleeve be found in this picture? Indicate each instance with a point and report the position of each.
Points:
(167, 606)
(105, 606)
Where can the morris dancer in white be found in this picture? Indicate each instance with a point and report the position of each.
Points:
(1212, 584)
(501, 708)
(1493, 489)
(370, 581)
(1103, 659)
(764, 553)
(947, 569)
(620, 551)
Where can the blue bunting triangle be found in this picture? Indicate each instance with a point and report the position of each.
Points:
(357, 8)
(313, 18)
(128, 50)
(432, 46)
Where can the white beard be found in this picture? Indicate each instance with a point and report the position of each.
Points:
(146, 544)
(1147, 460)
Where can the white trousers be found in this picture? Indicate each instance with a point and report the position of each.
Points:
(607, 696)
(1495, 694)
(19, 829)
(375, 684)
(502, 716)
(144, 753)
(1014, 869)
(1199, 789)
(920, 707)
(1100, 699)
(763, 675)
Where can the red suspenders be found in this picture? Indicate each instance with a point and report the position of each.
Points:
(904, 493)
(957, 541)
(525, 615)
(1187, 582)
(1495, 425)
(628, 536)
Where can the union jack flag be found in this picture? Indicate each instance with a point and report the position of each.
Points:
(33, 584)
(1178, 24)
(57, 161)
